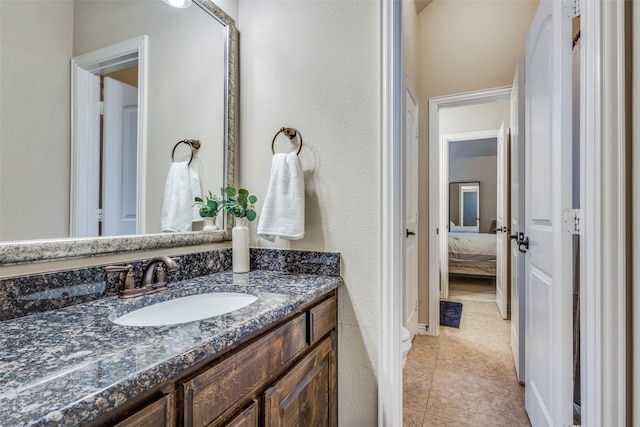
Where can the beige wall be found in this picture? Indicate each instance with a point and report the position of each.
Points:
(410, 42)
(314, 65)
(35, 48)
(464, 45)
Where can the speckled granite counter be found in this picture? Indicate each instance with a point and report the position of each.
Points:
(67, 366)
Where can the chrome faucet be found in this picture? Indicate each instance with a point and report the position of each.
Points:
(148, 272)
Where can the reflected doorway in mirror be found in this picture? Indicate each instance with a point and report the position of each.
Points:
(108, 167)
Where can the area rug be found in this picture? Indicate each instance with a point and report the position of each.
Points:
(450, 313)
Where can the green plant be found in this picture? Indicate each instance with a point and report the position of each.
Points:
(210, 206)
(239, 203)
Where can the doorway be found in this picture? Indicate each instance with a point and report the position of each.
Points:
(468, 104)
(108, 140)
(604, 279)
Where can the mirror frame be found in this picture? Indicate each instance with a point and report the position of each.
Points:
(18, 252)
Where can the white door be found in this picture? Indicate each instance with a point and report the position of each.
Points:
(85, 200)
(119, 158)
(410, 311)
(548, 303)
(517, 147)
(502, 253)
(443, 220)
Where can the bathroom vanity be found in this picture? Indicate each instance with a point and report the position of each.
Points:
(272, 362)
(285, 375)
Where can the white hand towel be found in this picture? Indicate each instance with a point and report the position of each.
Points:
(183, 185)
(283, 209)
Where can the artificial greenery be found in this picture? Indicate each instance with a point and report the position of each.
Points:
(239, 203)
(209, 207)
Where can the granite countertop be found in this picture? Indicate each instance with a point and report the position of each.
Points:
(68, 366)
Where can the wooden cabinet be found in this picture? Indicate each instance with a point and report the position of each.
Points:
(250, 417)
(157, 414)
(211, 393)
(306, 395)
(285, 376)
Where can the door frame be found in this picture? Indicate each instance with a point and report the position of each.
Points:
(603, 336)
(410, 93)
(604, 224)
(391, 238)
(443, 210)
(129, 51)
(436, 187)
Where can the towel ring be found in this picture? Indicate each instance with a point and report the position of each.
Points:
(193, 143)
(290, 133)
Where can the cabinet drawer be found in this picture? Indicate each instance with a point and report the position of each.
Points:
(209, 394)
(248, 418)
(156, 414)
(321, 319)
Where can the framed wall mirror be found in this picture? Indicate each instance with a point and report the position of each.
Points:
(464, 207)
(184, 82)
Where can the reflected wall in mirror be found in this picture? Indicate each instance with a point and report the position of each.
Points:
(464, 207)
(191, 78)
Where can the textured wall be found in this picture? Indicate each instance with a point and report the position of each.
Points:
(314, 65)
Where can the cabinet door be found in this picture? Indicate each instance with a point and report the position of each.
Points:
(307, 394)
(157, 414)
(248, 418)
(214, 391)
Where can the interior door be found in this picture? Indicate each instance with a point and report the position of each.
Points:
(502, 253)
(85, 203)
(548, 304)
(517, 147)
(443, 219)
(120, 162)
(410, 309)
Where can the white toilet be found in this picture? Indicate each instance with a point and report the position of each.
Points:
(406, 344)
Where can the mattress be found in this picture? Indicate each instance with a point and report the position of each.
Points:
(472, 246)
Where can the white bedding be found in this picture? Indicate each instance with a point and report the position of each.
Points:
(472, 246)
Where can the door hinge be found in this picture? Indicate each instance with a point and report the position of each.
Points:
(101, 107)
(571, 8)
(99, 215)
(571, 221)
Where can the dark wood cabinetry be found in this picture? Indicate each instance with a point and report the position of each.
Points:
(157, 414)
(250, 417)
(306, 395)
(211, 393)
(285, 376)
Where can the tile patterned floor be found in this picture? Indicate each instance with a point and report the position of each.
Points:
(466, 376)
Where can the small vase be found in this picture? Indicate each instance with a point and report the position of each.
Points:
(210, 224)
(240, 247)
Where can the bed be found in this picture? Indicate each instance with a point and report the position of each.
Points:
(472, 254)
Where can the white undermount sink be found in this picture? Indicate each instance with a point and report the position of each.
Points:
(186, 309)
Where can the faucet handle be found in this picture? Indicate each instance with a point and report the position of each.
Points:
(129, 280)
(161, 276)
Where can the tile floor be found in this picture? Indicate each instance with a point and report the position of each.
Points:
(466, 376)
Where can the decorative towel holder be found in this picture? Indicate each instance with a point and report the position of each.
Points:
(290, 133)
(193, 143)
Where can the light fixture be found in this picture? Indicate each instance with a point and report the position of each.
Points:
(178, 3)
